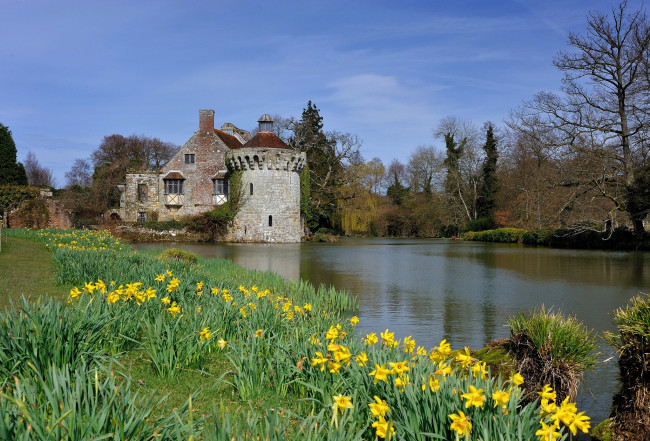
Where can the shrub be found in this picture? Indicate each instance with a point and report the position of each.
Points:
(504, 235)
(551, 349)
(481, 224)
(632, 402)
(178, 254)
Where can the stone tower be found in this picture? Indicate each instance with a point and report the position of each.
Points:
(269, 209)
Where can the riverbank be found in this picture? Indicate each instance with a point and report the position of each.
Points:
(280, 355)
(620, 239)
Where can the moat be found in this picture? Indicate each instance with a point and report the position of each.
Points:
(461, 291)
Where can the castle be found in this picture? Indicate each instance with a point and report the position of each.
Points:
(195, 180)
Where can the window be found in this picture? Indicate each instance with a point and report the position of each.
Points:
(220, 186)
(189, 158)
(251, 189)
(142, 216)
(270, 220)
(173, 186)
(142, 192)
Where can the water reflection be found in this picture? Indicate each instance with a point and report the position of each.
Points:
(461, 291)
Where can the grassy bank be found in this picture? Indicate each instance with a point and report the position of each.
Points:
(208, 350)
(619, 239)
(27, 270)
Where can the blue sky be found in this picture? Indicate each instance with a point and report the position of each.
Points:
(73, 72)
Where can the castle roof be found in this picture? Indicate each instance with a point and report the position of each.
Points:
(267, 140)
(227, 139)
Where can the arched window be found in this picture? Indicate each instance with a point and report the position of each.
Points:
(270, 220)
(251, 189)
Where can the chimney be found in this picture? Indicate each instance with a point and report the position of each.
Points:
(206, 120)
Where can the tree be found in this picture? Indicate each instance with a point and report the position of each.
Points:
(328, 156)
(489, 181)
(37, 175)
(396, 176)
(80, 174)
(604, 112)
(11, 171)
(424, 167)
(117, 155)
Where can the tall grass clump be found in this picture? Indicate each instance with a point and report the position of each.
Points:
(631, 406)
(61, 403)
(47, 332)
(550, 348)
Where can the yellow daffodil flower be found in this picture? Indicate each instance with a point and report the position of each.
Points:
(465, 359)
(101, 286)
(74, 293)
(259, 333)
(500, 398)
(460, 423)
(379, 408)
(222, 343)
(160, 278)
(383, 428)
(354, 320)
(474, 397)
(361, 359)
(341, 403)
(165, 301)
(319, 359)
(547, 433)
(174, 309)
(205, 334)
(517, 379)
(380, 373)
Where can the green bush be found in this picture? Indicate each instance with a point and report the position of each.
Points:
(504, 235)
(481, 224)
(550, 348)
(632, 342)
(178, 254)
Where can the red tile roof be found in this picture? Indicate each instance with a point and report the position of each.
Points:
(229, 140)
(174, 175)
(266, 140)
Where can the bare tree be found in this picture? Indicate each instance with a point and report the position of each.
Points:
(426, 169)
(80, 174)
(605, 110)
(36, 174)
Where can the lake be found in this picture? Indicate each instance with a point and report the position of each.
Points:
(462, 291)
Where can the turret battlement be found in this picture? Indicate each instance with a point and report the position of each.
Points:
(253, 158)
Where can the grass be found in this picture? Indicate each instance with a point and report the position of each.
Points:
(27, 270)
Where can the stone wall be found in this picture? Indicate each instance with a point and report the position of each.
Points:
(272, 212)
(132, 204)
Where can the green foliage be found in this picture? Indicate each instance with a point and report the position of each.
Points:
(11, 196)
(481, 224)
(489, 180)
(550, 348)
(504, 235)
(176, 253)
(11, 172)
(215, 222)
(33, 213)
(631, 412)
(305, 199)
(34, 334)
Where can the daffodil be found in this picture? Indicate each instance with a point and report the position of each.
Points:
(387, 338)
(443, 369)
(354, 320)
(74, 293)
(89, 287)
(370, 339)
(205, 334)
(222, 343)
(474, 397)
(361, 359)
(460, 423)
(383, 428)
(174, 309)
(408, 344)
(379, 408)
(101, 286)
(517, 379)
(580, 422)
(319, 359)
(160, 278)
(215, 291)
(547, 393)
(380, 373)
(444, 349)
(465, 359)
(399, 367)
(341, 403)
(547, 433)
(150, 293)
(165, 301)
(500, 398)
(307, 307)
(259, 333)
(332, 333)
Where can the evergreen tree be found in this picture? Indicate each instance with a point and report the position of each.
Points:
(324, 168)
(489, 180)
(452, 162)
(11, 171)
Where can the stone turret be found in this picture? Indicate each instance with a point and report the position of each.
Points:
(269, 208)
